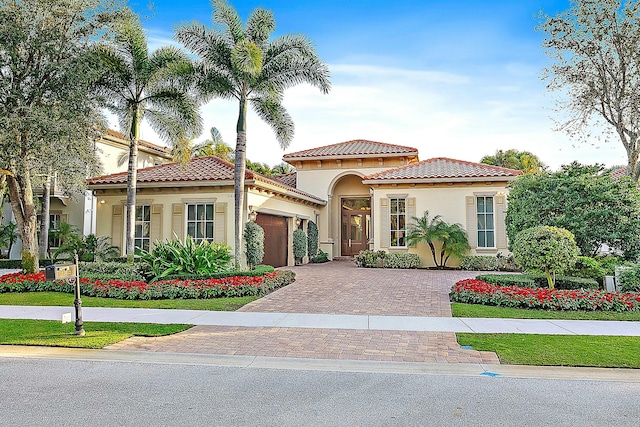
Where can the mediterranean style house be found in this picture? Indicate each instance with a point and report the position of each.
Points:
(361, 194)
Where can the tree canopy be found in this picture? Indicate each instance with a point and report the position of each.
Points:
(514, 159)
(596, 69)
(585, 200)
(49, 117)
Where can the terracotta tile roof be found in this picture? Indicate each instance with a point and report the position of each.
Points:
(354, 148)
(141, 143)
(619, 173)
(289, 179)
(202, 170)
(443, 169)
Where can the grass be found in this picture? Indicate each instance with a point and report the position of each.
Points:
(98, 334)
(558, 350)
(479, 310)
(64, 299)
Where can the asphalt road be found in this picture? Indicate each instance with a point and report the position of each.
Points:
(51, 392)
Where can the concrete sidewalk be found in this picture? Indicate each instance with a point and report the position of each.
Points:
(331, 321)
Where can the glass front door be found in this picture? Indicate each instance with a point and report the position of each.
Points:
(356, 223)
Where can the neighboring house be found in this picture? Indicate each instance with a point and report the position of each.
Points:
(361, 194)
(80, 209)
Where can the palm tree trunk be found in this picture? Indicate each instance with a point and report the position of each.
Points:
(433, 252)
(239, 172)
(132, 177)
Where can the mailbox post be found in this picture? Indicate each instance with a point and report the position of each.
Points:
(70, 274)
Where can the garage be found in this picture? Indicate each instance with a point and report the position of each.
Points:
(276, 235)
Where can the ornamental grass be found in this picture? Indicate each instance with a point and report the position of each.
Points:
(474, 291)
(237, 286)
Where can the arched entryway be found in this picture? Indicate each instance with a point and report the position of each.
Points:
(350, 211)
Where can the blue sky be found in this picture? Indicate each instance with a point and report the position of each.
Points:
(453, 79)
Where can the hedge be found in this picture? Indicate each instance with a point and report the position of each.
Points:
(538, 281)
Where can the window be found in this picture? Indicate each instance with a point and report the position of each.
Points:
(486, 227)
(54, 226)
(142, 227)
(200, 221)
(398, 222)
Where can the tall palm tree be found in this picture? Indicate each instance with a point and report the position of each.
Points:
(425, 230)
(241, 62)
(136, 85)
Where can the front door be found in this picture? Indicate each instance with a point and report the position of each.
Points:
(356, 222)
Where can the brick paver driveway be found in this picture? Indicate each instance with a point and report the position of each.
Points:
(337, 287)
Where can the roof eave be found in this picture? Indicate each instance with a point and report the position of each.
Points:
(347, 156)
(437, 180)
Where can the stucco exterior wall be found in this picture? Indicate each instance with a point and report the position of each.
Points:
(446, 200)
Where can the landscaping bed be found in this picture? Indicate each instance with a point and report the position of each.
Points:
(237, 286)
(478, 292)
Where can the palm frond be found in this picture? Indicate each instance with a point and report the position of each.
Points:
(260, 25)
(225, 15)
(271, 111)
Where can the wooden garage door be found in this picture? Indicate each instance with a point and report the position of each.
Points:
(275, 239)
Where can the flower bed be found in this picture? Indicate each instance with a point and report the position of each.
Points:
(237, 286)
(477, 292)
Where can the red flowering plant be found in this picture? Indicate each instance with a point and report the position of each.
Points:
(235, 286)
(474, 291)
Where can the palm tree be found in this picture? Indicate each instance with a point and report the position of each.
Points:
(514, 159)
(216, 146)
(425, 230)
(282, 169)
(241, 62)
(454, 241)
(136, 85)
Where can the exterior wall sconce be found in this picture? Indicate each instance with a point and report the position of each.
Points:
(252, 214)
(298, 221)
(102, 201)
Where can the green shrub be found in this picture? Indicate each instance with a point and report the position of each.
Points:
(382, 259)
(548, 249)
(312, 239)
(479, 263)
(258, 270)
(521, 280)
(175, 257)
(321, 257)
(15, 264)
(609, 263)
(538, 281)
(629, 279)
(299, 243)
(587, 267)
(253, 243)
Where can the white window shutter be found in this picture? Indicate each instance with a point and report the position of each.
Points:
(177, 221)
(385, 225)
(220, 223)
(117, 226)
(155, 226)
(501, 228)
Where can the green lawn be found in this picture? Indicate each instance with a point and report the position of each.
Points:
(63, 299)
(558, 350)
(98, 334)
(489, 311)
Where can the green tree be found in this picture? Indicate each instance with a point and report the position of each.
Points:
(282, 169)
(137, 85)
(8, 236)
(514, 159)
(254, 243)
(215, 146)
(48, 114)
(583, 199)
(241, 62)
(452, 238)
(594, 48)
(548, 249)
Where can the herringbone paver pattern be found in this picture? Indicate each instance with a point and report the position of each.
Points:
(337, 288)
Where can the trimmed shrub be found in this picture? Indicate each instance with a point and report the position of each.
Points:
(479, 263)
(609, 264)
(258, 270)
(299, 243)
(538, 281)
(312, 239)
(253, 243)
(382, 259)
(629, 279)
(14, 264)
(321, 257)
(587, 267)
(112, 270)
(547, 249)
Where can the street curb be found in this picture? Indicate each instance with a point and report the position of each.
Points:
(261, 362)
